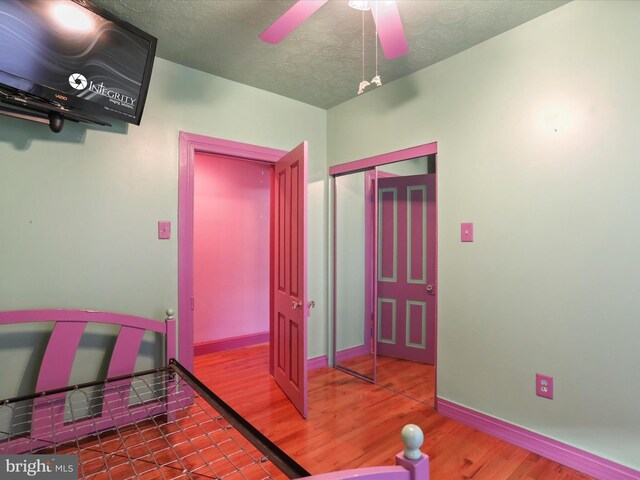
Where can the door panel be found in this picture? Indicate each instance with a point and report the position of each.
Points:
(388, 320)
(290, 296)
(388, 234)
(406, 267)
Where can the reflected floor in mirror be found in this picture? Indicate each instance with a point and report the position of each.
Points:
(361, 364)
(413, 379)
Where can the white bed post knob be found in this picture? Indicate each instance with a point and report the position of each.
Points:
(412, 437)
(170, 313)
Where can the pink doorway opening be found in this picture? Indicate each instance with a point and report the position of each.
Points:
(232, 227)
(281, 252)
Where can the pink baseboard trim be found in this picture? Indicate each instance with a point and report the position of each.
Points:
(317, 362)
(572, 457)
(352, 352)
(247, 340)
(230, 343)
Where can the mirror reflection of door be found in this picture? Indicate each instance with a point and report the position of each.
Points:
(406, 286)
(385, 276)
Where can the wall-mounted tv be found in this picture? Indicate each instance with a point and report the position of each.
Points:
(79, 58)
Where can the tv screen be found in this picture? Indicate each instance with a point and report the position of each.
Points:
(76, 55)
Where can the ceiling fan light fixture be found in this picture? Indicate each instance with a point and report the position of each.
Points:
(360, 4)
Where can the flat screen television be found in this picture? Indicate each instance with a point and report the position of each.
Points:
(81, 61)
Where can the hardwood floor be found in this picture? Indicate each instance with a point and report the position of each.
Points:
(353, 423)
(413, 379)
(361, 364)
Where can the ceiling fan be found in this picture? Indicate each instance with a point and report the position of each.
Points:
(388, 23)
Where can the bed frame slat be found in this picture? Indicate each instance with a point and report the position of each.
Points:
(55, 372)
(61, 315)
(59, 355)
(123, 362)
(125, 352)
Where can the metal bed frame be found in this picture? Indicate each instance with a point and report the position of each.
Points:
(186, 430)
(159, 423)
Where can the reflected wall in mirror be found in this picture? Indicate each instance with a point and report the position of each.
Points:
(354, 347)
(385, 276)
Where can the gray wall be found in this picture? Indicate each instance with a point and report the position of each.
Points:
(538, 146)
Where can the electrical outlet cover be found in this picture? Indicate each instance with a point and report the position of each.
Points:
(544, 386)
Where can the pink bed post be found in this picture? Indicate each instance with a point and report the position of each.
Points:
(411, 463)
(170, 350)
(171, 335)
(411, 458)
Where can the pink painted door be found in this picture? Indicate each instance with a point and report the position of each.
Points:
(290, 309)
(406, 299)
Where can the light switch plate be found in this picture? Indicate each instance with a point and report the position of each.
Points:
(466, 232)
(544, 386)
(164, 230)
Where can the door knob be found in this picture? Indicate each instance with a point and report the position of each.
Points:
(312, 304)
(295, 305)
(430, 288)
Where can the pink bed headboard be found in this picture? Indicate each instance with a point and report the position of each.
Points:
(60, 353)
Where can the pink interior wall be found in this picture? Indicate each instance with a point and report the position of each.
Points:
(231, 248)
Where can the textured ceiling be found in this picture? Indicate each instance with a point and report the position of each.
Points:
(320, 63)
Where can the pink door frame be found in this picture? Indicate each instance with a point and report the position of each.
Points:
(190, 144)
(384, 159)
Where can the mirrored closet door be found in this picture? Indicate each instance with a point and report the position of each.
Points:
(354, 319)
(385, 276)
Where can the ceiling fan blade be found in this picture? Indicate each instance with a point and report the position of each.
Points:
(292, 18)
(390, 31)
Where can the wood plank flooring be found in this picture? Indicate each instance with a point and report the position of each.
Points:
(353, 423)
(413, 379)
